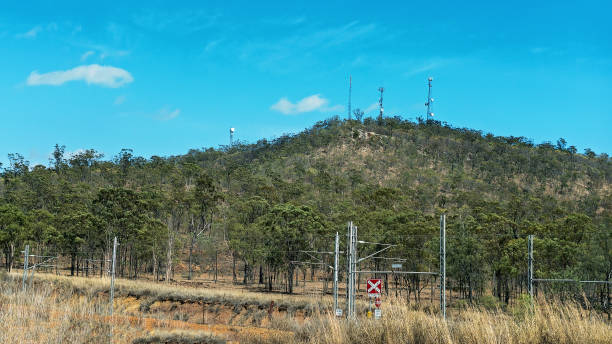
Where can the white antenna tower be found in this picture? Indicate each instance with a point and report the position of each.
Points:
(430, 100)
(380, 104)
(232, 136)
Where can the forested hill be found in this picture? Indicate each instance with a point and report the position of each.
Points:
(429, 167)
(392, 177)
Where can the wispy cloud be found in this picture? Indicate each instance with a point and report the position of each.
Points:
(87, 54)
(110, 52)
(211, 45)
(178, 22)
(430, 65)
(372, 107)
(92, 74)
(167, 114)
(305, 44)
(311, 103)
(32, 33)
(119, 100)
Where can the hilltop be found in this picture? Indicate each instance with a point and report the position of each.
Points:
(428, 165)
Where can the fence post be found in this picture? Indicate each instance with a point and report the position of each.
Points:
(336, 253)
(530, 265)
(25, 266)
(443, 265)
(112, 286)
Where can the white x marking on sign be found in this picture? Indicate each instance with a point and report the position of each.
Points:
(374, 286)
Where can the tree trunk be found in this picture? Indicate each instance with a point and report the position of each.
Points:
(234, 278)
(72, 258)
(155, 266)
(190, 255)
(246, 273)
(12, 260)
(169, 251)
(290, 278)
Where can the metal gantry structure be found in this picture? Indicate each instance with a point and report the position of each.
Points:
(530, 274)
(351, 267)
(353, 261)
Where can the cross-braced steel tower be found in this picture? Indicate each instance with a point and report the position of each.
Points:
(430, 100)
(380, 104)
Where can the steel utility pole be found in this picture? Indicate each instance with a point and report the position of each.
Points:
(348, 267)
(25, 266)
(352, 264)
(530, 265)
(336, 253)
(443, 265)
(349, 276)
(354, 269)
(112, 286)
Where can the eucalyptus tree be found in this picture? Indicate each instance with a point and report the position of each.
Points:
(202, 205)
(289, 229)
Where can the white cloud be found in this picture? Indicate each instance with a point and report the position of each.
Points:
(32, 33)
(165, 114)
(211, 45)
(308, 104)
(431, 65)
(119, 100)
(372, 107)
(86, 55)
(92, 74)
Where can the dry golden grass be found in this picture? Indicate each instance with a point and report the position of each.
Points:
(544, 323)
(164, 292)
(44, 315)
(73, 310)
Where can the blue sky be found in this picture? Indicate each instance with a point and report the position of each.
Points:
(164, 77)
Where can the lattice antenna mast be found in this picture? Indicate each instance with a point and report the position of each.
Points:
(430, 100)
(380, 103)
(349, 100)
(232, 136)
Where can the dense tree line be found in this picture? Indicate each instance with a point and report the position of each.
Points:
(262, 204)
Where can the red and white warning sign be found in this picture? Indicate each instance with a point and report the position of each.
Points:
(374, 286)
(377, 302)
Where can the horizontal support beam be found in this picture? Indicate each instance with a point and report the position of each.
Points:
(602, 282)
(568, 280)
(399, 272)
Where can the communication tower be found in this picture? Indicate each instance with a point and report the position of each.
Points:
(430, 100)
(380, 104)
(232, 136)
